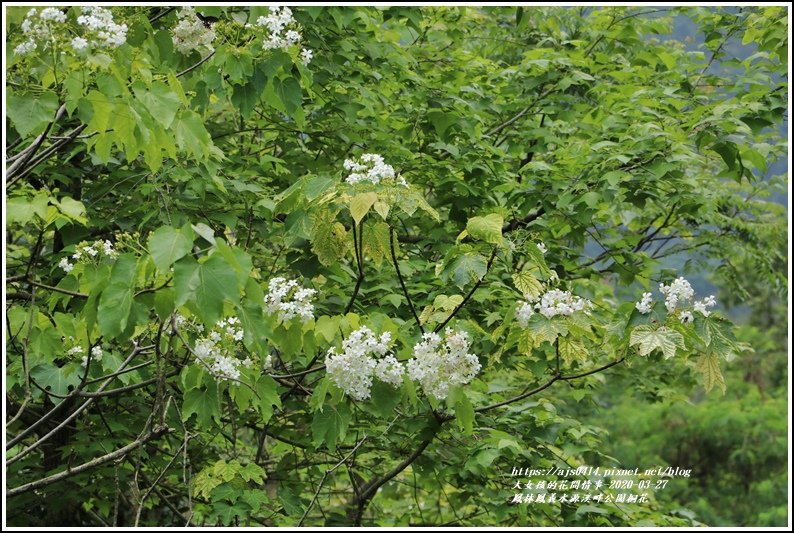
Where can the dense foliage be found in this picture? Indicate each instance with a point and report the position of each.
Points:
(352, 265)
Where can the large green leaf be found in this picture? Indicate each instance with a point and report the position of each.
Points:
(169, 244)
(649, 339)
(161, 102)
(31, 113)
(330, 425)
(487, 228)
(206, 285)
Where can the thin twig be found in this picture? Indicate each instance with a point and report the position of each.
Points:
(89, 465)
(402, 282)
(325, 476)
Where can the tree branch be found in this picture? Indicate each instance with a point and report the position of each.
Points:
(121, 452)
(325, 476)
(470, 293)
(402, 282)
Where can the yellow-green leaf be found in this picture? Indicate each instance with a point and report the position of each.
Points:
(361, 204)
(527, 284)
(709, 367)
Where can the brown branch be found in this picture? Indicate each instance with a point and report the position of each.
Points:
(68, 419)
(325, 476)
(121, 452)
(402, 281)
(470, 293)
(555, 378)
(197, 65)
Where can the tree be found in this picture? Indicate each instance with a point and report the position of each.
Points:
(334, 265)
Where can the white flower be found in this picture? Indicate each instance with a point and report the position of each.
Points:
(686, 317)
(190, 33)
(101, 28)
(282, 31)
(556, 302)
(354, 368)
(289, 300)
(42, 29)
(703, 305)
(65, 265)
(75, 350)
(52, 14)
(677, 293)
(542, 247)
(390, 371)
(372, 168)
(524, 313)
(96, 352)
(78, 43)
(645, 305)
(217, 351)
(25, 48)
(107, 247)
(438, 367)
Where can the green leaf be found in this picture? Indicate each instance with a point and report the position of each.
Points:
(487, 228)
(203, 403)
(466, 268)
(361, 204)
(650, 339)
(267, 389)
(384, 399)
(167, 245)
(59, 380)
(245, 97)
(376, 242)
(527, 284)
(207, 285)
(709, 367)
(382, 208)
(329, 238)
(441, 122)
(284, 95)
(545, 329)
(327, 327)
(115, 302)
(114, 309)
(464, 411)
(191, 135)
(572, 350)
(159, 100)
(31, 113)
(330, 425)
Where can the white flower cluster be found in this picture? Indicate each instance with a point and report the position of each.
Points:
(678, 292)
(703, 305)
(181, 322)
(217, 351)
(438, 366)
(96, 355)
(87, 251)
(40, 27)
(283, 32)
(550, 304)
(354, 368)
(372, 168)
(101, 30)
(190, 33)
(645, 305)
(75, 350)
(289, 300)
(676, 295)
